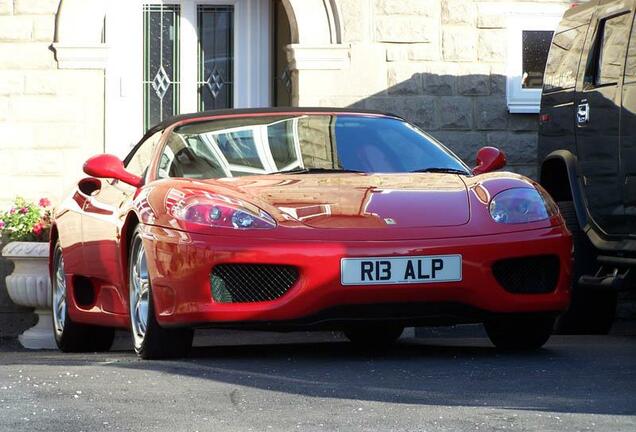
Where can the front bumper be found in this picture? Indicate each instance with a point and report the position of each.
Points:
(180, 264)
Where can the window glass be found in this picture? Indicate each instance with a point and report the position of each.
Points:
(138, 161)
(395, 147)
(239, 148)
(315, 136)
(281, 142)
(536, 44)
(190, 157)
(563, 64)
(361, 143)
(216, 56)
(161, 62)
(630, 63)
(609, 54)
(528, 39)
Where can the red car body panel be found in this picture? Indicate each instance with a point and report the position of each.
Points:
(320, 218)
(319, 286)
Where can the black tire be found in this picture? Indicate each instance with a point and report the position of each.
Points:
(71, 336)
(374, 336)
(590, 312)
(156, 342)
(521, 332)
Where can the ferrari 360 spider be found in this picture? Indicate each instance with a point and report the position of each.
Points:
(300, 219)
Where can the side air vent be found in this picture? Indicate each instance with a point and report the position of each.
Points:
(528, 275)
(248, 283)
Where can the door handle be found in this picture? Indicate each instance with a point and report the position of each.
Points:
(583, 114)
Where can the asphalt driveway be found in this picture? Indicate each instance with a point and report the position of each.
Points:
(449, 380)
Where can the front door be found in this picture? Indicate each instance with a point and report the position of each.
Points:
(597, 118)
(172, 57)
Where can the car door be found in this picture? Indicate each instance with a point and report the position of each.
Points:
(102, 220)
(69, 222)
(556, 126)
(628, 134)
(597, 118)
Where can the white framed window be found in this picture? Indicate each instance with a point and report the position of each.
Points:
(529, 39)
(170, 57)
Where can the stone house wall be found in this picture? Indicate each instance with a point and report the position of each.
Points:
(439, 63)
(51, 119)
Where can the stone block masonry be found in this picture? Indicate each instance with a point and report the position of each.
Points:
(444, 64)
(51, 120)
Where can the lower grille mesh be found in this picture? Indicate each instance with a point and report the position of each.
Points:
(528, 275)
(248, 283)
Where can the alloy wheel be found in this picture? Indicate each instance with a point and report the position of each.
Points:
(139, 292)
(59, 294)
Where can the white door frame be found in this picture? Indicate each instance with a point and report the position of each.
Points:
(124, 71)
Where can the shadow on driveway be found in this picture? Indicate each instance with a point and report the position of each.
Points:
(595, 375)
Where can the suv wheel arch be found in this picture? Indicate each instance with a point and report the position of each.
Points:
(559, 176)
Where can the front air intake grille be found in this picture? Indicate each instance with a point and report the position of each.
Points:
(248, 283)
(528, 275)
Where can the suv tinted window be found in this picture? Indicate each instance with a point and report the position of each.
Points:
(565, 53)
(607, 62)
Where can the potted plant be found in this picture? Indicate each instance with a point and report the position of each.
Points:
(26, 227)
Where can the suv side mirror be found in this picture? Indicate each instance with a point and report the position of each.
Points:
(109, 166)
(489, 159)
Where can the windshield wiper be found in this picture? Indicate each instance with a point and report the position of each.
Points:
(299, 170)
(441, 170)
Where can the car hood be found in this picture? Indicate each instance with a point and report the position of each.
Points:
(354, 200)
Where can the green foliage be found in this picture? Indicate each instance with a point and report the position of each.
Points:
(26, 221)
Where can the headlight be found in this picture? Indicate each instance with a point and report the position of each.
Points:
(521, 205)
(221, 212)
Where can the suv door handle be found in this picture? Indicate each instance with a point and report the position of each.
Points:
(583, 114)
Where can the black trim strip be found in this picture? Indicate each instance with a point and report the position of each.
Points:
(340, 317)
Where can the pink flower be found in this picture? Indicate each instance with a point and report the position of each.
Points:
(44, 202)
(2, 224)
(37, 229)
(24, 210)
(12, 211)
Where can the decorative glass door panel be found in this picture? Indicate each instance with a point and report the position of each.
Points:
(164, 46)
(215, 57)
(161, 62)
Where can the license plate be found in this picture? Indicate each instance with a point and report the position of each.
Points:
(400, 270)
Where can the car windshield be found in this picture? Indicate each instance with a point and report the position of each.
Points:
(302, 144)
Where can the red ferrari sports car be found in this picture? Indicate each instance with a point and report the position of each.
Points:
(296, 219)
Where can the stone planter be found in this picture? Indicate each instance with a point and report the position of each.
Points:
(29, 285)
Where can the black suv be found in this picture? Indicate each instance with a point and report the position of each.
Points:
(587, 152)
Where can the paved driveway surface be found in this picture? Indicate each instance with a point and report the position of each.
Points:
(442, 382)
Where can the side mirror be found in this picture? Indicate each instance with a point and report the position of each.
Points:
(109, 166)
(489, 159)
